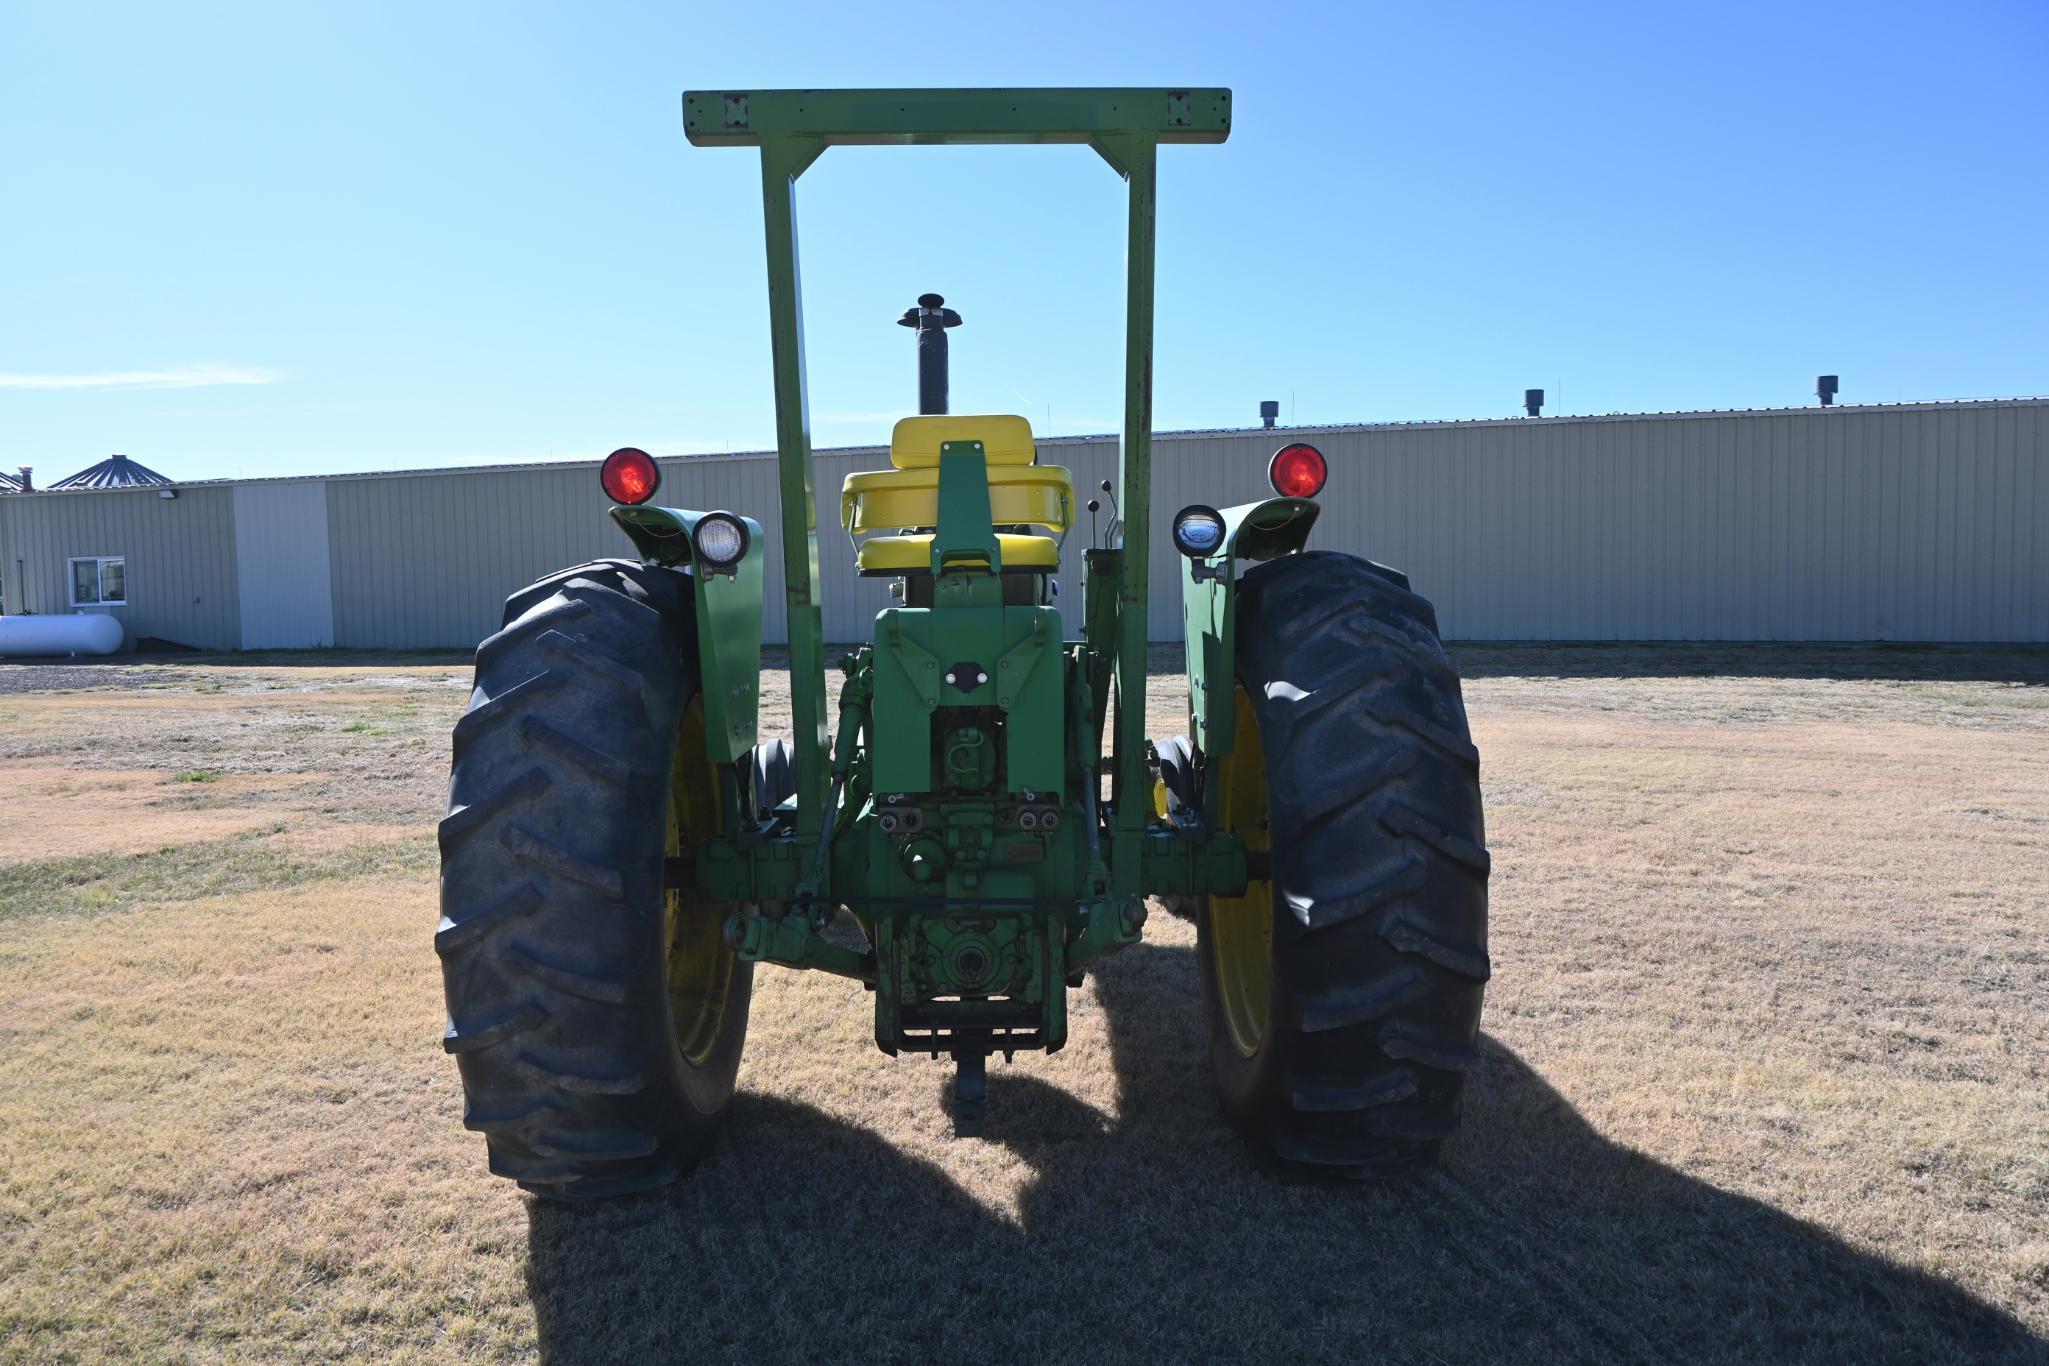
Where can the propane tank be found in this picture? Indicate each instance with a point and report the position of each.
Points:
(86, 633)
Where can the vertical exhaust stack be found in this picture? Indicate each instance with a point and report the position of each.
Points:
(1533, 402)
(931, 317)
(28, 478)
(1825, 387)
(1269, 411)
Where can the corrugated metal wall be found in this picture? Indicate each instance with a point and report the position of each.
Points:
(1923, 523)
(1927, 523)
(1918, 522)
(180, 555)
(427, 560)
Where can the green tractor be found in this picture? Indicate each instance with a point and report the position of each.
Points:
(620, 852)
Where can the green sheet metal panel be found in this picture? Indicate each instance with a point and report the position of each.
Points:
(1017, 650)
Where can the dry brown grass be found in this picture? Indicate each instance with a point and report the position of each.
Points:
(1765, 1076)
(101, 811)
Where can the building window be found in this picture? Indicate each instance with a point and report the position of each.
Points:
(99, 581)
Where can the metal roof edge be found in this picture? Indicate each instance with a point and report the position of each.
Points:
(1816, 410)
(1186, 434)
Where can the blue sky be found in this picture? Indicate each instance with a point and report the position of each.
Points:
(240, 239)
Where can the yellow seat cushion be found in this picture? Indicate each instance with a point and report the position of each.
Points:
(1006, 439)
(913, 554)
(1019, 495)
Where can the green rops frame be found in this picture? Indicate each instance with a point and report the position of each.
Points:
(793, 128)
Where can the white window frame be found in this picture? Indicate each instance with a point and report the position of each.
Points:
(100, 578)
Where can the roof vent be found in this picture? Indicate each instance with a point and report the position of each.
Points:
(28, 478)
(1269, 411)
(1825, 387)
(1533, 402)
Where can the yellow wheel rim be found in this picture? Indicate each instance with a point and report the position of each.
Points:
(701, 967)
(1241, 928)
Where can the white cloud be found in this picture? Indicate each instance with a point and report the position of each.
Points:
(175, 377)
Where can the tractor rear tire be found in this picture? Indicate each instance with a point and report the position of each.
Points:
(1345, 1053)
(596, 1017)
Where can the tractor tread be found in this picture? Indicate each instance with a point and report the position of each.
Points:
(558, 1076)
(553, 932)
(1404, 820)
(1407, 931)
(569, 647)
(1396, 1084)
(530, 848)
(1425, 655)
(456, 935)
(1367, 1157)
(461, 821)
(1380, 873)
(1341, 1006)
(540, 590)
(478, 1122)
(507, 706)
(1423, 1125)
(617, 1146)
(1341, 790)
(515, 635)
(1390, 573)
(578, 1183)
(1458, 747)
(536, 1174)
(1389, 883)
(590, 986)
(1399, 1040)
(456, 1039)
(541, 735)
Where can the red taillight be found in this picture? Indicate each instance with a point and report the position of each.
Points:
(629, 476)
(1297, 471)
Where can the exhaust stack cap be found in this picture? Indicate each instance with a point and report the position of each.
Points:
(1269, 412)
(931, 318)
(1533, 402)
(1825, 387)
(930, 312)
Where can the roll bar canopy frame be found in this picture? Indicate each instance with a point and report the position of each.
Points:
(792, 129)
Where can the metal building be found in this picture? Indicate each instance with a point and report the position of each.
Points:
(1906, 522)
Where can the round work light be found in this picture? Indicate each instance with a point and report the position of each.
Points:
(1198, 531)
(721, 540)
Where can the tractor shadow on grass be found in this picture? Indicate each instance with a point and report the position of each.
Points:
(1153, 1235)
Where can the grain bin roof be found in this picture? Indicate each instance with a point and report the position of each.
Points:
(115, 472)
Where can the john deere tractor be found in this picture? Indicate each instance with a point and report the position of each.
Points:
(981, 819)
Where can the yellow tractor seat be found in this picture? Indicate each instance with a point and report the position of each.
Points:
(913, 554)
(1021, 492)
(1006, 439)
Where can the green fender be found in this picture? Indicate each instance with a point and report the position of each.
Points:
(1252, 531)
(728, 620)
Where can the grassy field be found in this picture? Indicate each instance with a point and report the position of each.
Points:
(1767, 1069)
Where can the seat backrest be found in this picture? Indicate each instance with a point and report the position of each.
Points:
(1006, 439)
(1026, 495)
